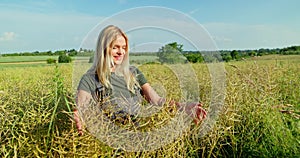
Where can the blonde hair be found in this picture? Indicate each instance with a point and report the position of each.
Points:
(103, 59)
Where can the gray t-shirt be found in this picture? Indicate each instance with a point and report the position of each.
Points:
(120, 102)
(119, 98)
(89, 82)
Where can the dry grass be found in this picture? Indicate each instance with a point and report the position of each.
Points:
(260, 117)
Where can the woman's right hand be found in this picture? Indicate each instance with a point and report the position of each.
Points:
(78, 123)
(82, 99)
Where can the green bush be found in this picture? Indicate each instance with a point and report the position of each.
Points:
(91, 60)
(64, 59)
(194, 57)
(51, 61)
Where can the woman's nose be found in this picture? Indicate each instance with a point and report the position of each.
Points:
(121, 51)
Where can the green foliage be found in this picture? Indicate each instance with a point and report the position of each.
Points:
(252, 53)
(171, 54)
(51, 61)
(194, 57)
(265, 128)
(176, 46)
(91, 59)
(72, 52)
(234, 54)
(64, 58)
(60, 52)
(227, 58)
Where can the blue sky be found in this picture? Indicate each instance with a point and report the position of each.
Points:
(32, 25)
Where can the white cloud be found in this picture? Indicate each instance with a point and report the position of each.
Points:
(42, 32)
(8, 36)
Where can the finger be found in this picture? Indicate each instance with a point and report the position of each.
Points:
(79, 127)
(200, 104)
(196, 121)
(201, 113)
(80, 133)
(204, 113)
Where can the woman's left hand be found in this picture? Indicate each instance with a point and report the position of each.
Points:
(196, 111)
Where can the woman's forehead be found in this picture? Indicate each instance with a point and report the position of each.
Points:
(120, 40)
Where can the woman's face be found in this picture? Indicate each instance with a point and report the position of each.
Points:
(118, 50)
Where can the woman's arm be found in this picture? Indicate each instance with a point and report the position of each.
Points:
(82, 99)
(151, 96)
(192, 109)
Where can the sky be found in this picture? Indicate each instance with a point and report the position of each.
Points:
(34, 25)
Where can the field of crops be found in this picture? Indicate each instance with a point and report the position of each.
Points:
(11, 59)
(25, 61)
(260, 116)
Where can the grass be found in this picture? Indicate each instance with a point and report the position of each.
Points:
(11, 59)
(142, 59)
(25, 61)
(260, 117)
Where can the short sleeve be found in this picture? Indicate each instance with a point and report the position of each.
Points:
(141, 79)
(87, 84)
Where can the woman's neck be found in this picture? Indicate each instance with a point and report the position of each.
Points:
(113, 68)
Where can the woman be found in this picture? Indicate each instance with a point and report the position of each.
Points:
(112, 77)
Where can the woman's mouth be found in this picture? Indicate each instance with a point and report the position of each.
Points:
(118, 57)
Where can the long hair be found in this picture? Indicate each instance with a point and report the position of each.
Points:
(103, 60)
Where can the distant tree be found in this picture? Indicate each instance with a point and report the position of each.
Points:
(72, 52)
(251, 53)
(194, 57)
(290, 50)
(49, 52)
(234, 54)
(60, 52)
(262, 52)
(36, 53)
(176, 46)
(227, 58)
(171, 53)
(64, 59)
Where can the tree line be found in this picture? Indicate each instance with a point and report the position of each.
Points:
(174, 53)
(71, 52)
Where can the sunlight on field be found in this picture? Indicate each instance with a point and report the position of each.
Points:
(260, 117)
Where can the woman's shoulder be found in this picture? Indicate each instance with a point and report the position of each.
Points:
(134, 69)
(90, 76)
(88, 82)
